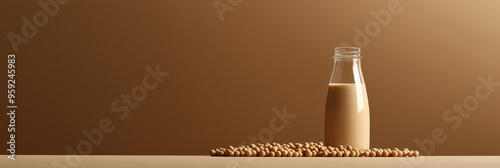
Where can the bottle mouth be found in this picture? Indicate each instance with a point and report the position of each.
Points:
(347, 52)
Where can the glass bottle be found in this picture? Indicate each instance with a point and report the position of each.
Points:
(347, 114)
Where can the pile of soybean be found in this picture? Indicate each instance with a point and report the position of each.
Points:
(309, 149)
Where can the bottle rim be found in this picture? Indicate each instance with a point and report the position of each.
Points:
(347, 52)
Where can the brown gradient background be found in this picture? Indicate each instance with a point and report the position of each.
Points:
(226, 77)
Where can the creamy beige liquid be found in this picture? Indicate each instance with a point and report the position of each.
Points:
(347, 116)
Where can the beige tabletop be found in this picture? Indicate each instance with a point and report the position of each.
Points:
(167, 161)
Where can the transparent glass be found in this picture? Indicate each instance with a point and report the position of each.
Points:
(347, 113)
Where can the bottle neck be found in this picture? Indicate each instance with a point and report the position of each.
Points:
(347, 70)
